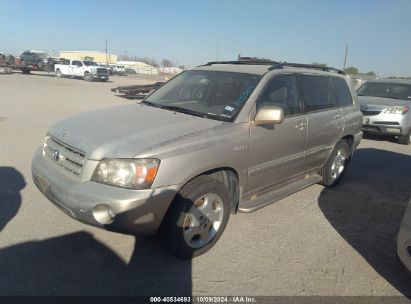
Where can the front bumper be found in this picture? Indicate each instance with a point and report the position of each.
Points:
(386, 124)
(404, 239)
(137, 212)
(100, 76)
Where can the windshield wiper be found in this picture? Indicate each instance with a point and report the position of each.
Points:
(183, 110)
(151, 104)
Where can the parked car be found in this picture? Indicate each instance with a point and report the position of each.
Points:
(130, 71)
(88, 70)
(35, 58)
(119, 70)
(385, 104)
(404, 239)
(214, 140)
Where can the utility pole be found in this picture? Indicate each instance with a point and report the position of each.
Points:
(106, 53)
(345, 57)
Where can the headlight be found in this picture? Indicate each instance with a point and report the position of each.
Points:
(93, 71)
(397, 110)
(126, 173)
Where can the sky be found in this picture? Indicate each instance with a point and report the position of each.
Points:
(191, 33)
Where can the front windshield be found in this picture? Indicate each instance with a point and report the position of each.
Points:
(388, 90)
(212, 94)
(88, 63)
(41, 54)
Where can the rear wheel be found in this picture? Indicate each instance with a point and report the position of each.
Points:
(58, 73)
(197, 217)
(405, 139)
(87, 76)
(336, 164)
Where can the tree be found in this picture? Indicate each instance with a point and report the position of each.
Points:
(88, 58)
(167, 63)
(146, 60)
(124, 57)
(182, 67)
(351, 70)
(371, 73)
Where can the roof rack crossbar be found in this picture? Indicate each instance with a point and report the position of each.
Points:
(243, 62)
(308, 66)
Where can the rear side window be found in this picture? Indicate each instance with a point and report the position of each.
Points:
(342, 92)
(317, 93)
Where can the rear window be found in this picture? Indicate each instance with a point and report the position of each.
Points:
(342, 92)
(316, 92)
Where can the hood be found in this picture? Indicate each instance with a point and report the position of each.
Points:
(124, 131)
(382, 101)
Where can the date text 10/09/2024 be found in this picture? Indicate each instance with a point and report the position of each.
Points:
(204, 299)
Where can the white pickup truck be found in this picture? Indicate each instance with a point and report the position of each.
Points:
(88, 70)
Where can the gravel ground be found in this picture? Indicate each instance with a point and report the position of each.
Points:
(338, 241)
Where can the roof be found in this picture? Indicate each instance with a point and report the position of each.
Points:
(238, 68)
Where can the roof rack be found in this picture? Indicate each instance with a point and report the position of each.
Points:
(280, 65)
(275, 64)
(245, 60)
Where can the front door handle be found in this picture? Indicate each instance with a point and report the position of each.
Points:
(337, 116)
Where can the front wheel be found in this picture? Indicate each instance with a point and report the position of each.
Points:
(197, 217)
(335, 167)
(405, 139)
(87, 76)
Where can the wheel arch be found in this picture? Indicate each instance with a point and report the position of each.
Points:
(229, 177)
(350, 141)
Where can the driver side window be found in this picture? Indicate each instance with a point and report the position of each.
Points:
(281, 92)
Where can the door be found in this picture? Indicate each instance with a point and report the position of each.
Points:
(76, 68)
(325, 119)
(277, 152)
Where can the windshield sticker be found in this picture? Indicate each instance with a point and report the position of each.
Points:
(228, 108)
(244, 95)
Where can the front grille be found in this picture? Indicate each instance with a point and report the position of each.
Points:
(102, 71)
(68, 158)
(370, 113)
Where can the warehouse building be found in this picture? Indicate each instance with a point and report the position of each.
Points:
(99, 57)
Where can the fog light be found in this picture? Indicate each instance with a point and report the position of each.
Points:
(104, 214)
(393, 130)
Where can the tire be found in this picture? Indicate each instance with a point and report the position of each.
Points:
(40, 65)
(405, 139)
(336, 165)
(59, 74)
(188, 230)
(87, 76)
(25, 70)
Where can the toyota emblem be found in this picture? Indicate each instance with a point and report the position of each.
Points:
(56, 155)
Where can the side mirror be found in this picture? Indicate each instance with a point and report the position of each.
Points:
(269, 116)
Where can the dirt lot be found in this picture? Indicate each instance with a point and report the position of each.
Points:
(338, 241)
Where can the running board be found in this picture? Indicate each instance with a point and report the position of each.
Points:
(277, 194)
